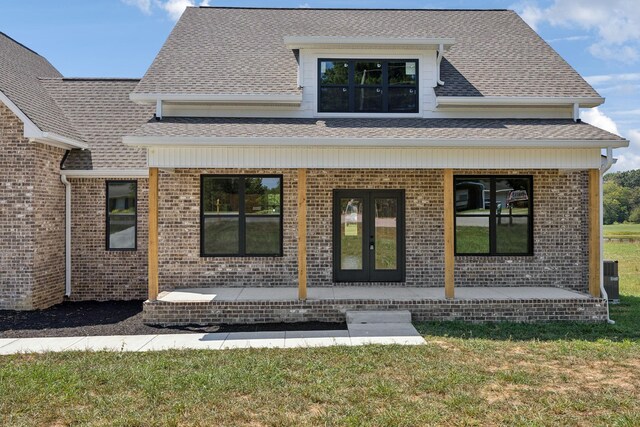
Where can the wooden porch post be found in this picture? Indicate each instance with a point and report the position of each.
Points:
(153, 234)
(595, 263)
(449, 254)
(302, 234)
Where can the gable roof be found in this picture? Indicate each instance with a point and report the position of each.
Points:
(365, 132)
(101, 110)
(20, 69)
(242, 51)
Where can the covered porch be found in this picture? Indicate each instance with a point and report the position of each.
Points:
(437, 284)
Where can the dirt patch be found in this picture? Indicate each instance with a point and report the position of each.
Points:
(91, 318)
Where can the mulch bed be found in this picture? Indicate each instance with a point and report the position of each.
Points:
(90, 318)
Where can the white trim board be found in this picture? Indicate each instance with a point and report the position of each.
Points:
(32, 131)
(369, 158)
(190, 141)
(106, 173)
(456, 101)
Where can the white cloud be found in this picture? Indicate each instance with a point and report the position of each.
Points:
(569, 39)
(606, 78)
(304, 6)
(616, 23)
(597, 118)
(629, 158)
(173, 8)
(143, 5)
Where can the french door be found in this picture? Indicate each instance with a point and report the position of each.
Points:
(368, 235)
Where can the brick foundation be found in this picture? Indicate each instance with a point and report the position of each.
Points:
(476, 311)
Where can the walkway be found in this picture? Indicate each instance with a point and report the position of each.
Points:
(362, 335)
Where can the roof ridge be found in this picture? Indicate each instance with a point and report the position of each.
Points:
(349, 8)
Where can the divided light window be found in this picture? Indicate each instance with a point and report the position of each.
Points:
(241, 215)
(368, 86)
(122, 227)
(494, 215)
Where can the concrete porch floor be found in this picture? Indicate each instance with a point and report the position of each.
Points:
(366, 293)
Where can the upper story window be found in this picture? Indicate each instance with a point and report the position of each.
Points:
(368, 86)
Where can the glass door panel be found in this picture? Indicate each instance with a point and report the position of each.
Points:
(386, 233)
(351, 233)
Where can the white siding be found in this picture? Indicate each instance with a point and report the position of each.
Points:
(378, 158)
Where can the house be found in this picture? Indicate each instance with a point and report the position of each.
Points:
(292, 164)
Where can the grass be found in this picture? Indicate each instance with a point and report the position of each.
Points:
(500, 374)
(625, 231)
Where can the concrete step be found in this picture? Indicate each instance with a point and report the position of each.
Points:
(363, 317)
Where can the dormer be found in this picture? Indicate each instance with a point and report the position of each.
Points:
(368, 76)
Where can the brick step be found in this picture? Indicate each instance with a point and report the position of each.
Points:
(373, 316)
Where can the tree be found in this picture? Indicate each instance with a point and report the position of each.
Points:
(616, 202)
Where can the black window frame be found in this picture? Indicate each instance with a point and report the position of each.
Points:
(108, 216)
(492, 216)
(242, 252)
(352, 86)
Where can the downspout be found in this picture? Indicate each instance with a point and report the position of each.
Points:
(439, 54)
(603, 169)
(67, 236)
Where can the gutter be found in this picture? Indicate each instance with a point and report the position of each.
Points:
(603, 169)
(67, 235)
(439, 55)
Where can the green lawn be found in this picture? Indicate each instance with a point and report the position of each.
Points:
(622, 231)
(502, 374)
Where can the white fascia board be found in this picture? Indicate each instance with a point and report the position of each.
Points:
(32, 131)
(318, 42)
(61, 141)
(275, 98)
(183, 141)
(106, 173)
(453, 101)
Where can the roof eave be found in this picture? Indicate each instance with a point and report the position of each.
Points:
(506, 101)
(33, 132)
(188, 141)
(320, 42)
(244, 99)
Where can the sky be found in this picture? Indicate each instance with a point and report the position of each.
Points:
(120, 38)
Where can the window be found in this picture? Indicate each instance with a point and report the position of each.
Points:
(241, 215)
(368, 86)
(494, 215)
(122, 197)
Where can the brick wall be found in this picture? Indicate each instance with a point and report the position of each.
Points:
(179, 238)
(31, 219)
(560, 233)
(96, 273)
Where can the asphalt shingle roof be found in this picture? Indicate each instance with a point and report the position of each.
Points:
(241, 50)
(20, 68)
(102, 111)
(491, 129)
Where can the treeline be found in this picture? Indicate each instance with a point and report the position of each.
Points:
(622, 197)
